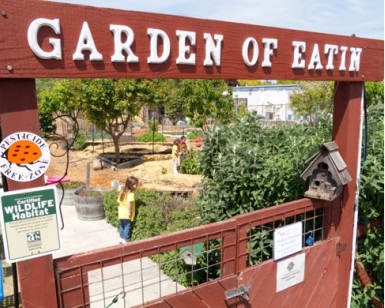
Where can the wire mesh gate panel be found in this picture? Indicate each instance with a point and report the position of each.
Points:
(153, 270)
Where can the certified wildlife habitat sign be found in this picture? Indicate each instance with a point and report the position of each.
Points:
(29, 222)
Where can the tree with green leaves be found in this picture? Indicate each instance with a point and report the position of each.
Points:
(165, 93)
(108, 103)
(313, 100)
(111, 104)
(202, 100)
(61, 99)
(374, 92)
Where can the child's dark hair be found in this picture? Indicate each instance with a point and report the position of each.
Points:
(128, 186)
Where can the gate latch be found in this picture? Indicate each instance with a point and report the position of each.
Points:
(242, 291)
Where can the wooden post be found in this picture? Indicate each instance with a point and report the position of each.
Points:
(346, 132)
(18, 112)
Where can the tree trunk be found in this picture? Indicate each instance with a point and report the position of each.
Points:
(115, 139)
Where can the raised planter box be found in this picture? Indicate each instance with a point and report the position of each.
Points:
(107, 163)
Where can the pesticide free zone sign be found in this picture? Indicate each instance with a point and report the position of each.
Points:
(30, 223)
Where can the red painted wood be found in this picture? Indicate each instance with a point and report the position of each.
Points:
(332, 219)
(346, 129)
(321, 284)
(318, 289)
(145, 247)
(185, 300)
(148, 247)
(213, 294)
(159, 304)
(261, 281)
(20, 13)
(18, 112)
(229, 253)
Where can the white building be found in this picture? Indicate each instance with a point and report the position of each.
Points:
(270, 101)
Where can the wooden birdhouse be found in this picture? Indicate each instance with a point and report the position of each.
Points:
(326, 173)
(190, 254)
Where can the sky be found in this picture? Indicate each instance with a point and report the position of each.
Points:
(364, 18)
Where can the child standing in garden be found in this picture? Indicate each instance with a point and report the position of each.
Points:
(183, 150)
(175, 156)
(126, 209)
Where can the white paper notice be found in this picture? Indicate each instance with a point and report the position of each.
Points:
(287, 240)
(290, 272)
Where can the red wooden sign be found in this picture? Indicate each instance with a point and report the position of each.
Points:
(47, 39)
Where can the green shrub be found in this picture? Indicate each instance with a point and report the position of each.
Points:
(370, 248)
(191, 164)
(142, 198)
(80, 142)
(145, 196)
(111, 205)
(244, 165)
(151, 137)
(149, 222)
(183, 219)
(174, 267)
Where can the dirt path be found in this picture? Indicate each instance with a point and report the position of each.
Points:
(151, 174)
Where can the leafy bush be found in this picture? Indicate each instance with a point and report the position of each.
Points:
(244, 165)
(47, 125)
(372, 179)
(142, 198)
(80, 142)
(155, 213)
(174, 267)
(370, 248)
(191, 164)
(370, 255)
(111, 205)
(180, 213)
(149, 222)
(151, 137)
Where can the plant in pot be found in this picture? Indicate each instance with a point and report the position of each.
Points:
(68, 188)
(89, 202)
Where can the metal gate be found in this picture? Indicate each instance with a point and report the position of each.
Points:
(248, 274)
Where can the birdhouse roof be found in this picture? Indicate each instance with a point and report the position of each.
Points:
(329, 154)
(195, 249)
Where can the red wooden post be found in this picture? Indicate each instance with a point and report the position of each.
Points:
(346, 129)
(18, 112)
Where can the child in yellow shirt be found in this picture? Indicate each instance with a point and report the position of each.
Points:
(126, 210)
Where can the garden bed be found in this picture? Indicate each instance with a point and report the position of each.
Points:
(135, 157)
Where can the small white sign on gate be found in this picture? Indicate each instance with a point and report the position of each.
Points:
(287, 240)
(290, 272)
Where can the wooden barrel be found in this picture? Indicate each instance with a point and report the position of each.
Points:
(68, 198)
(89, 203)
